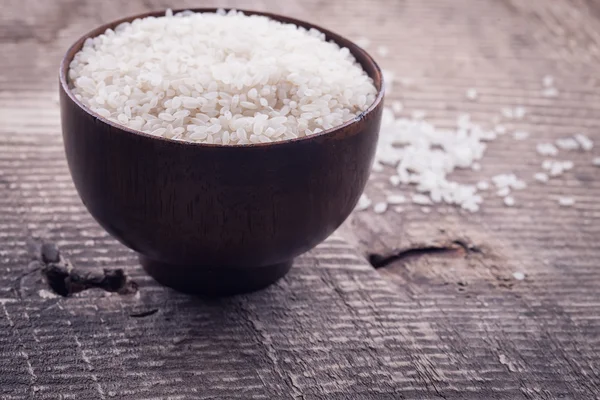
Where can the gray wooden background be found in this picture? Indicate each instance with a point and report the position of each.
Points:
(447, 324)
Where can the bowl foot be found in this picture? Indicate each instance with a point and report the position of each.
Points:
(214, 281)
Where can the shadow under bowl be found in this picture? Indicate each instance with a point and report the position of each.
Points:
(213, 219)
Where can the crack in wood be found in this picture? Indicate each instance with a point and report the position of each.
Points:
(383, 260)
(468, 247)
(454, 248)
(65, 281)
(143, 314)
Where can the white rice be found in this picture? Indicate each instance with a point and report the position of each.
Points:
(418, 114)
(380, 208)
(425, 156)
(585, 142)
(567, 144)
(421, 199)
(509, 181)
(389, 78)
(383, 51)
(508, 113)
(395, 199)
(550, 92)
(556, 167)
(521, 135)
(363, 42)
(222, 78)
(541, 177)
(519, 276)
(395, 179)
(566, 201)
(505, 191)
(546, 149)
(520, 112)
(483, 185)
(500, 129)
(472, 94)
(397, 107)
(363, 203)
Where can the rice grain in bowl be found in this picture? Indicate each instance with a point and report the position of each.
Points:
(223, 78)
(211, 218)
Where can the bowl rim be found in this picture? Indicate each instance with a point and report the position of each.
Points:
(332, 36)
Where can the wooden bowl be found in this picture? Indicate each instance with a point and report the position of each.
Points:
(214, 219)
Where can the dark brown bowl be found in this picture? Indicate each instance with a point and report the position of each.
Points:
(214, 219)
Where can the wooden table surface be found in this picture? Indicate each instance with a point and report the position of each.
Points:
(450, 323)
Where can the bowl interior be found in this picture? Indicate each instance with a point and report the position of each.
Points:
(362, 57)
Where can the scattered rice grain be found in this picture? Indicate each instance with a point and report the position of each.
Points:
(518, 276)
(541, 177)
(520, 135)
(397, 107)
(395, 180)
(363, 42)
(520, 112)
(377, 167)
(421, 199)
(546, 149)
(585, 142)
(471, 94)
(500, 129)
(380, 208)
(566, 201)
(503, 192)
(383, 51)
(363, 203)
(507, 113)
(395, 199)
(483, 185)
(418, 114)
(550, 92)
(567, 144)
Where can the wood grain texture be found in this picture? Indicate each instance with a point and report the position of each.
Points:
(449, 325)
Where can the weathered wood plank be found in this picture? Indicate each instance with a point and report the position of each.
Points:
(448, 325)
